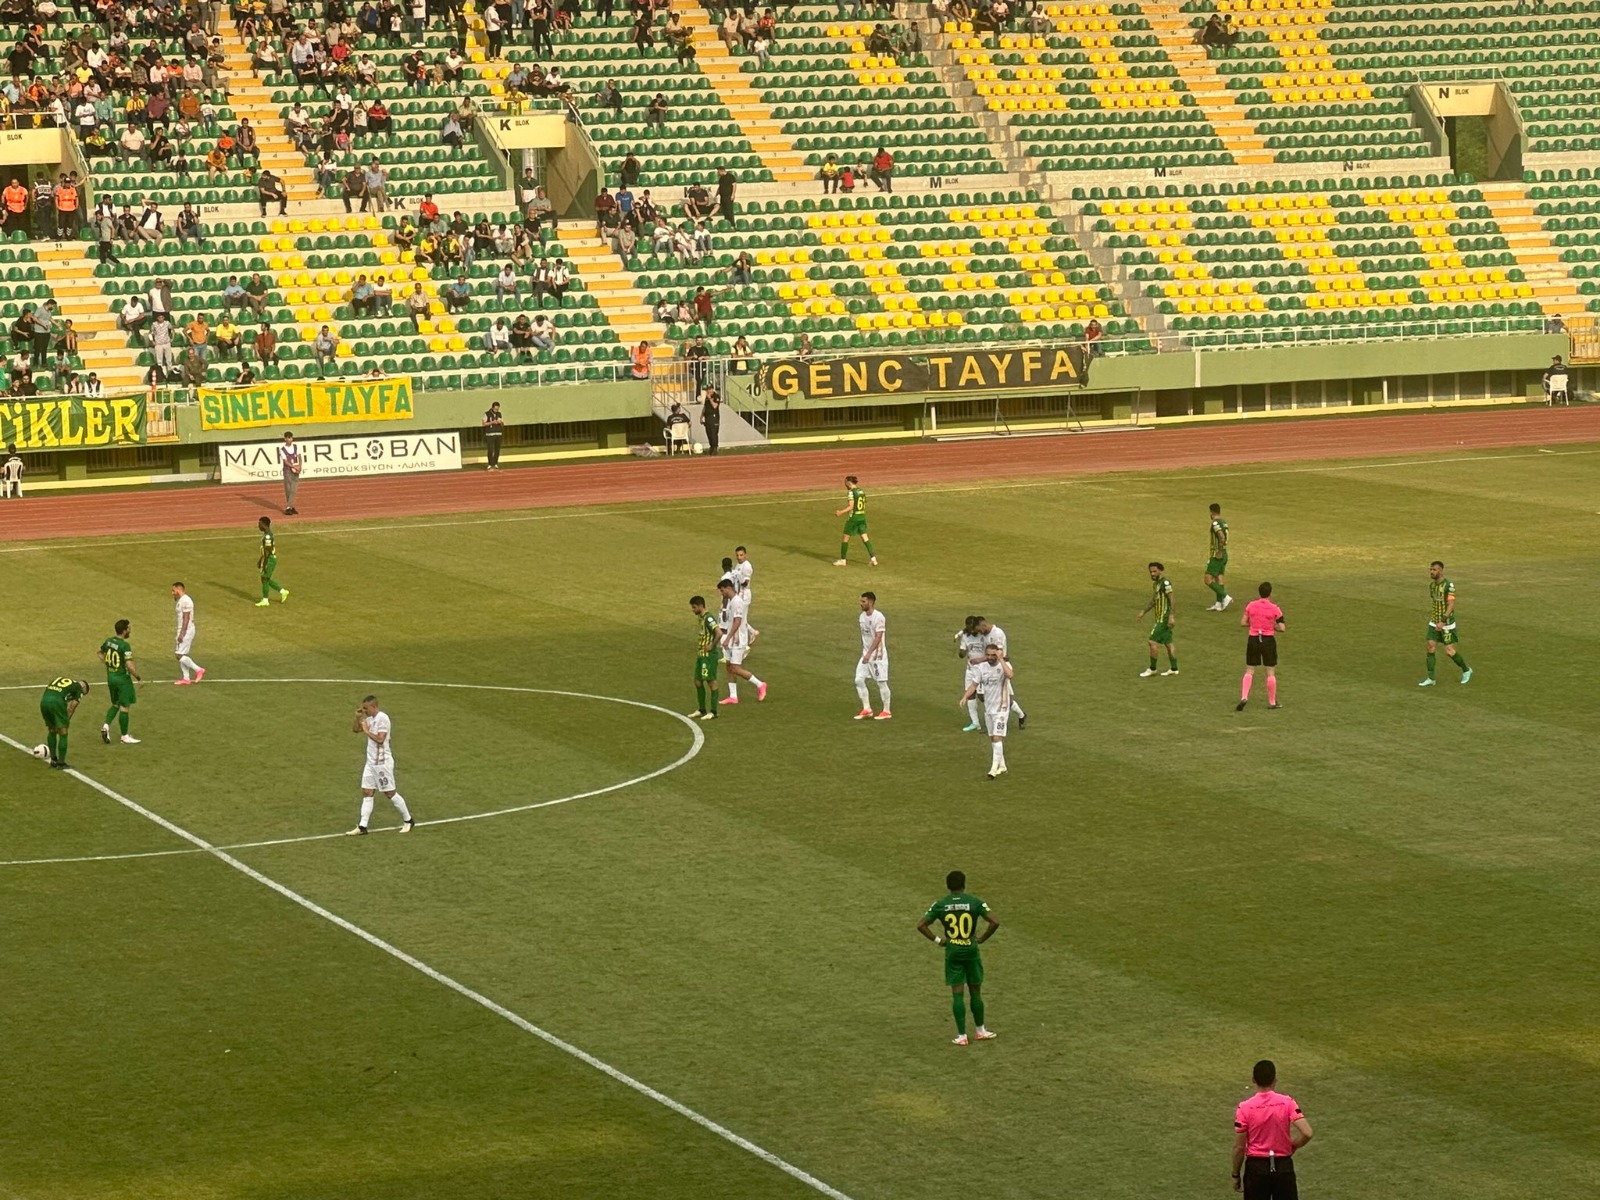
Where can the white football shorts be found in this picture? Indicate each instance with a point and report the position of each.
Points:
(877, 670)
(998, 721)
(378, 777)
(185, 643)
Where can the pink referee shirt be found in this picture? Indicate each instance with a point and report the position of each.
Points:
(1266, 1116)
(1263, 616)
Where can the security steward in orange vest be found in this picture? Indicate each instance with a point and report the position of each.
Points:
(16, 200)
(66, 209)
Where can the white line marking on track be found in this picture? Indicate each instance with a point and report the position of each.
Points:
(694, 748)
(439, 977)
(618, 507)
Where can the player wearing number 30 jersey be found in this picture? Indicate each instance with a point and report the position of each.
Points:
(952, 922)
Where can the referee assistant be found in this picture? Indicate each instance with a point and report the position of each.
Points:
(1268, 1128)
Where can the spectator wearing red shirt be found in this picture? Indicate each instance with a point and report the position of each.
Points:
(883, 170)
(428, 209)
(1268, 1128)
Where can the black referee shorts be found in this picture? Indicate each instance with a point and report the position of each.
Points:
(1261, 650)
(1270, 1178)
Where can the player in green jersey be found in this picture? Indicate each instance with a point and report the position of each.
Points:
(121, 676)
(955, 915)
(1161, 632)
(705, 662)
(855, 515)
(1217, 564)
(56, 706)
(268, 564)
(1442, 624)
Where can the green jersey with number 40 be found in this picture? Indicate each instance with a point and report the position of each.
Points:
(958, 913)
(115, 652)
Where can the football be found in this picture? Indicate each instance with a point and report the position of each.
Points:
(40, 752)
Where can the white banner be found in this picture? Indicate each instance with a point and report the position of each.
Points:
(335, 458)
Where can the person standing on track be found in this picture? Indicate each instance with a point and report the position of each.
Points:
(494, 432)
(1267, 1129)
(289, 459)
(1264, 621)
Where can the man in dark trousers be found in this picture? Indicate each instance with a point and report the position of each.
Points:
(494, 428)
(1268, 1128)
(711, 417)
(725, 187)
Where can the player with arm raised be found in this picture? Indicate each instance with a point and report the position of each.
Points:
(993, 683)
(955, 915)
(121, 676)
(378, 774)
(193, 672)
(736, 642)
(993, 635)
(874, 663)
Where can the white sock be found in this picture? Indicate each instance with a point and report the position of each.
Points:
(1016, 708)
(757, 682)
(972, 711)
(883, 695)
(733, 689)
(189, 666)
(866, 700)
(366, 811)
(999, 756)
(399, 803)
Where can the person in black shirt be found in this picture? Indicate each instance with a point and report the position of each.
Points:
(711, 417)
(725, 186)
(494, 427)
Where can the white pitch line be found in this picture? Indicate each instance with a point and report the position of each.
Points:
(616, 507)
(694, 748)
(439, 977)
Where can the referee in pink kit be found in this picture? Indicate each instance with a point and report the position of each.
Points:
(1268, 1128)
(1264, 620)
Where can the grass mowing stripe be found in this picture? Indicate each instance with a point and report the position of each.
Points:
(332, 529)
(454, 985)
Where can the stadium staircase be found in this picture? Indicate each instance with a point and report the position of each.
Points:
(70, 273)
(611, 284)
(1536, 251)
(943, 58)
(249, 96)
(1231, 122)
(754, 117)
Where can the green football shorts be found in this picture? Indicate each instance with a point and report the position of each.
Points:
(963, 967)
(705, 668)
(1445, 637)
(1161, 634)
(122, 690)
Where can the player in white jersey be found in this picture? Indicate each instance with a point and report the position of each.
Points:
(970, 648)
(378, 775)
(736, 642)
(993, 683)
(743, 573)
(193, 672)
(874, 664)
(993, 635)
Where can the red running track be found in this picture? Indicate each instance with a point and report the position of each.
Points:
(622, 480)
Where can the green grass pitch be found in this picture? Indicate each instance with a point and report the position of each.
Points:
(1390, 891)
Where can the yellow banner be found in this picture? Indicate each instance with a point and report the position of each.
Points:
(306, 402)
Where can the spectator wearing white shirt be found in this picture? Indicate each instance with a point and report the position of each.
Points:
(544, 333)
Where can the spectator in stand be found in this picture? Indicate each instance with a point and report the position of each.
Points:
(628, 172)
(189, 226)
(604, 208)
(244, 143)
(830, 175)
(883, 170)
(198, 334)
(697, 356)
(740, 357)
(362, 300)
(544, 333)
(257, 292)
(804, 349)
(505, 283)
(326, 350)
(847, 179)
(378, 118)
(640, 360)
(377, 184)
(450, 129)
(270, 189)
(244, 376)
(704, 312)
(67, 209)
(16, 201)
(522, 335)
(230, 338)
(697, 202)
(382, 296)
(150, 226)
(44, 319)
(743, 270)
(354, 187)
(233, 296)
(458, 294)
(416, 307)
(193, 368)
(216, 163)
(105, 233)
(427, 211)
(1091, 338)
(644, 31)
(726, 184)
(161, 344)
(133, 318)
(498, 338)
(266, 346)
(655, 113)
(611, 98)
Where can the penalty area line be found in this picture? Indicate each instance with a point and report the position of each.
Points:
(439, 977)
